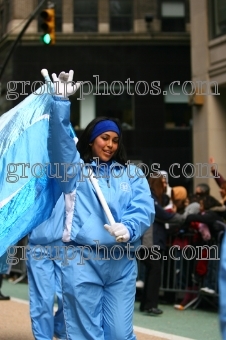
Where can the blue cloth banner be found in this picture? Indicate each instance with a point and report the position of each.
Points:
(27, 192)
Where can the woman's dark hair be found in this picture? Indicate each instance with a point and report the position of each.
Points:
(85, 149)
(205, 189)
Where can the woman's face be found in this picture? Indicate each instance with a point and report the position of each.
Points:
(105, 145)
(164, 184)
(201, 203)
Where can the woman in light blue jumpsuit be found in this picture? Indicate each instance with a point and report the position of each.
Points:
(44, 258)
(99, 278)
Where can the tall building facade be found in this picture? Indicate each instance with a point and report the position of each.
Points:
(208, 57)
(134, 59)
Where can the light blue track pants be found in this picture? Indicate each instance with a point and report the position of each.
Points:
(98, 297)
(44, 279)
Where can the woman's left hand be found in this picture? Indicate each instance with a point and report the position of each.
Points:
(118, 230)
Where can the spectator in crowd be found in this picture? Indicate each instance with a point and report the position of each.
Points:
(221, 182)
(201, 190)
(216, 175)
(155, 241)
(2, 297)
(181, 240)
(205, 271)
(4, 269)
(223, 193)
(167, 188)
(181, 202)
(167, 204)
(206, 217)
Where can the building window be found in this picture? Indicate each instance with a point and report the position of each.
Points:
(217, 13)
(173, 16)
(121, 15)
(178, 113)
(85, 15)
(4, 17)
(104, 104)
(1, 23)
(58, 16)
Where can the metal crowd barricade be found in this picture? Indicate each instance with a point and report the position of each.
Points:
(176, 269)
(179, 267)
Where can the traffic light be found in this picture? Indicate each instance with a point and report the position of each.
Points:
(48, 26)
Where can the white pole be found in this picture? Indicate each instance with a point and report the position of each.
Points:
(104, 203)
(102, 199)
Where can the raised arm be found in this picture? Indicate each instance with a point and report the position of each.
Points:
(62, 150)
(218, 177)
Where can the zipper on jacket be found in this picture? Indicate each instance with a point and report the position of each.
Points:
(108, 183)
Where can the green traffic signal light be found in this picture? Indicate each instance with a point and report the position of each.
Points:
(46, 39)
(48, 26)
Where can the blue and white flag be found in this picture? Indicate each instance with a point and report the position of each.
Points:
(27, 192)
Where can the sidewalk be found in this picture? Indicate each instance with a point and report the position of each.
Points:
(15, 323)
(199, 324)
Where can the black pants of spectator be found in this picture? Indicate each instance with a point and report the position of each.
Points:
(150, 296)
(2, 297)
(1, 278)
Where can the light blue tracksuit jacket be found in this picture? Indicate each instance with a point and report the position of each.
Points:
(94, 288)
(44, 275)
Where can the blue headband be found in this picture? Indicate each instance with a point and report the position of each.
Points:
(103, 126)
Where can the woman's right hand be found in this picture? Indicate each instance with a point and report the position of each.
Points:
(212, 161)
(64, 85)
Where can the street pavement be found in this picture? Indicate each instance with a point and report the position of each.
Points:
(15, 322)
(199, 324)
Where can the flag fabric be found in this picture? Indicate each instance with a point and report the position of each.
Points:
(27, 192)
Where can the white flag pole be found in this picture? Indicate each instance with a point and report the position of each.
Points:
(102, 199)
